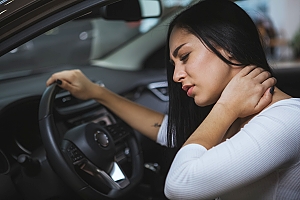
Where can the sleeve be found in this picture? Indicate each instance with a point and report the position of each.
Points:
(162, 133)
(266, 143)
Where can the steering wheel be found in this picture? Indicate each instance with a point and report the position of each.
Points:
(85, 156)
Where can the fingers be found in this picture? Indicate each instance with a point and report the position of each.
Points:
(65, 85)
(55, 77)
(263, 77)
(50, 80)
(255, 72)
(250, 89)
(259, 75)
(265, 83)
(65, 76)
(266, 99)
(73, 81)
(268, 83)
(246, 70)
(65, 79)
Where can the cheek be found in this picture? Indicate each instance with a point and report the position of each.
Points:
(207, 95)
(210, 75)
(205, 76)
(209, 87)
(197, 69)
(215, 84)
(203, 64)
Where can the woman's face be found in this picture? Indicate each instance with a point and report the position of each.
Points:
(203, 75)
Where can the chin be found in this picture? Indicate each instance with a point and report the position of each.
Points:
(203, 102)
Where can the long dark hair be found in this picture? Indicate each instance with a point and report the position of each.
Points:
(217, 23)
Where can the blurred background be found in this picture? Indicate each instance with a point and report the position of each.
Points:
(279, 25)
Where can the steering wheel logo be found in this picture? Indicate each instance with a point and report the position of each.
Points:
(101, 138)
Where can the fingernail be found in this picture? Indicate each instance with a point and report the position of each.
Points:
(272, 90)
(59, 82)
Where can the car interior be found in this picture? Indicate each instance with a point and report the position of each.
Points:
(46, 150)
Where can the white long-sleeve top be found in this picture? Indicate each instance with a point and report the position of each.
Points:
(261, 161)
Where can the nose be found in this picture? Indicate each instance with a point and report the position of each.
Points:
(179, 74)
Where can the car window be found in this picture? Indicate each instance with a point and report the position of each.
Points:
(73, 42)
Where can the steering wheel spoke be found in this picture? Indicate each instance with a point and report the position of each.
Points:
(116, 179)
(72, 152)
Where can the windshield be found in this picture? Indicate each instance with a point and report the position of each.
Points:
(77, 42)
(69, 43)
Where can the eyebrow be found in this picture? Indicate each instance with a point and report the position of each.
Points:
(175, 52)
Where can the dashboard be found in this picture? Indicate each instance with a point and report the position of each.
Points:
(19, 108)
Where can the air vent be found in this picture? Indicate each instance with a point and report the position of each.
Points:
(160, 89)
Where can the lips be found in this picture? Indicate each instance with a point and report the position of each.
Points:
(188, 89)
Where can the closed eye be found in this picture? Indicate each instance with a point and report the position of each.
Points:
(185, 57)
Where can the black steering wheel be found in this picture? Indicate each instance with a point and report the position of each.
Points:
(85, 157)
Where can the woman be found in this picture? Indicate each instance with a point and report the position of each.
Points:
(209, 45)
(245, 143)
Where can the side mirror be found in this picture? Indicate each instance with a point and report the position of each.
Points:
(150, 8)
(128, 10)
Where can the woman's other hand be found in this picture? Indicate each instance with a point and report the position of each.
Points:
(248, 92)
(75, 82)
